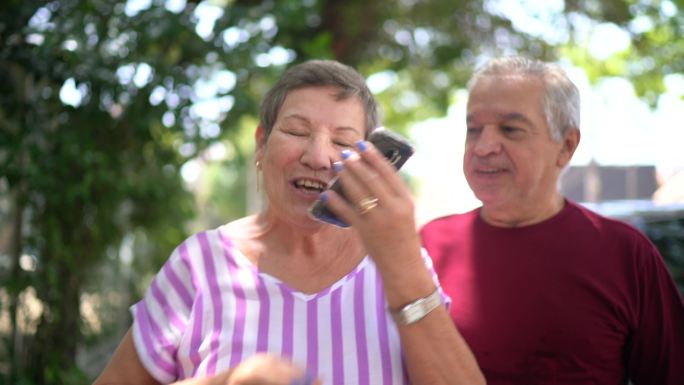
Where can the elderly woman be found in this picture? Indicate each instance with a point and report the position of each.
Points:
(281, 298)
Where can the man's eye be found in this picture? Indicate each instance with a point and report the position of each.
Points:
(473, 130)
(509, 129)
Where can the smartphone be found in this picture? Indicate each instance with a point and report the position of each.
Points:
(392, 145)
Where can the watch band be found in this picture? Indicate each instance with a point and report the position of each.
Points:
(416, 310)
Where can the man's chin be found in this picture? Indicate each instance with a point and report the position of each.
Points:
(489, 196)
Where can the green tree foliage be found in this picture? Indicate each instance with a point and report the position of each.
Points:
(103, 102)
(82, 176)
(655, 48)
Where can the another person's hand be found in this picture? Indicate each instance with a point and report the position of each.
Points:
(263, 369)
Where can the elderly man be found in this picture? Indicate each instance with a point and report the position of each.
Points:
(545, 291)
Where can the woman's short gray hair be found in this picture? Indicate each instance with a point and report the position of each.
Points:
(561, 101)
(319, 73)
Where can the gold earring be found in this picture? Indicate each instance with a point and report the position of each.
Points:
(257, 164)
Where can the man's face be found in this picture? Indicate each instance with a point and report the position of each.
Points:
(510, 161)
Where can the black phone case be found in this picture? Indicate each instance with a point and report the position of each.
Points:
(392, 145)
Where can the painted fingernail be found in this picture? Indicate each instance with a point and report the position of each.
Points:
(338, 166)
(346, 154)
(323, 196)
(361, 145)
(306, 379)
(309, 379)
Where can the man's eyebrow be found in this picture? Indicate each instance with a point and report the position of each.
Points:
(515, 116)
(469, 118)
(509, 116)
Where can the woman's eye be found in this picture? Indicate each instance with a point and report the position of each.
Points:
(342, 144)
(295, 133)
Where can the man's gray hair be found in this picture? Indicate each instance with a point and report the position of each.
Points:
(561, 100)
(319, 73)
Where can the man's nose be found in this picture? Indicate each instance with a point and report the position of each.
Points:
(487, 142)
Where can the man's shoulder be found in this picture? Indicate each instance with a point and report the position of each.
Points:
(448, 222)
(605, 223)
(608, 230)
(446, 231)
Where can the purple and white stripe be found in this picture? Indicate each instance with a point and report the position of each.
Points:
(209, 308)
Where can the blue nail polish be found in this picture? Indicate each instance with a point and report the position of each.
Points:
(361, 145)
(346, 154)
(309, 378)
(338, 166)
(306, 380)
(323, 196)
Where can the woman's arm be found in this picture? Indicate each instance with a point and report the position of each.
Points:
(125, 368)
(434, 350)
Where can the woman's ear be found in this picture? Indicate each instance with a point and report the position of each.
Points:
(260, 141)
(570, 143)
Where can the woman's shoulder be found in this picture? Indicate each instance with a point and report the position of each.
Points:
(244, 235)
(204, 244)
(241, 228)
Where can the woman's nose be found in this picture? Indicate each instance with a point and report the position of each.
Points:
(318, 154)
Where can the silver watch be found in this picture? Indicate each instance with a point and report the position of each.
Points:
(416, 310)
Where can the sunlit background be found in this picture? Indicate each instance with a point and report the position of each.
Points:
(89, 211)
(618, 127)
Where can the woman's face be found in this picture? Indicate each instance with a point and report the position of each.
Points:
(311, 130)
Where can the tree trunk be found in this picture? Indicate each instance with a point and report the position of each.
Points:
(58, 282)
(14, 285)
(53, 351)
(349, 23)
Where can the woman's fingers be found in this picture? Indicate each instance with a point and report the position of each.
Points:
(372, 187)
(382, 166)
(362, 185)
(264, 369)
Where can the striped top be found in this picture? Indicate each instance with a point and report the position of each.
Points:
(209, 308)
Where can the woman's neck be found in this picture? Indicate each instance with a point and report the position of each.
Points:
(305, 259)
